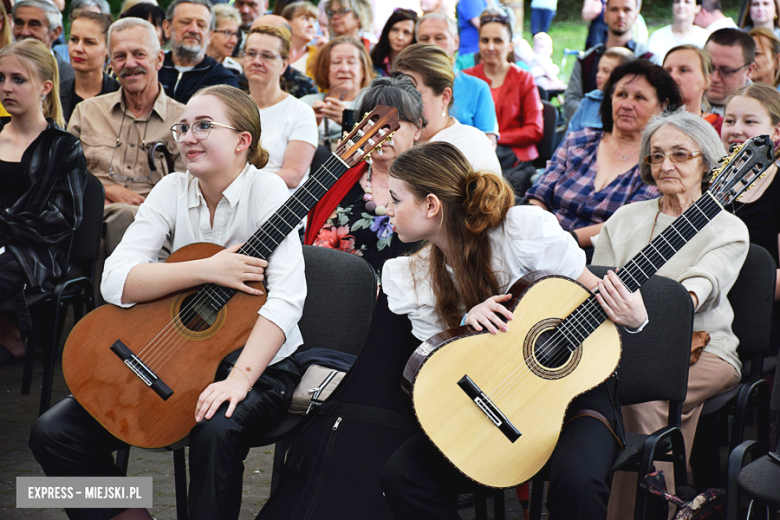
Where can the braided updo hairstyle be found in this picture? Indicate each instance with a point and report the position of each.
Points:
(243, 114)
(472, 204)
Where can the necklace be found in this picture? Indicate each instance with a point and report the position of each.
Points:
(625, 157)
(655, 221)
(368, 196)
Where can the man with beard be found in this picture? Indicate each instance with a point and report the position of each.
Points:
(620, 16)
(187, 69)
(116, 128)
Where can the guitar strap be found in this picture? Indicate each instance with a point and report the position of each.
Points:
(587, 412)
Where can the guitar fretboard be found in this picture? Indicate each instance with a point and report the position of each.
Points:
(589, 315)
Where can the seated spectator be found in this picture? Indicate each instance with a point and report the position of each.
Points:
(302, 17)
(341, 69)
(349, 18)
(224, 37)
(544, 71)
(43, 175)
(289, 126)
(761, 13)
(711, 18)
(595, 172)
(96, 6)
(293, 81)
(523, 52)
(518, 107)
(186, 68)
(767, 68)
(88, 47)
(397, 35)
(588, 115)
(733, 54)
(431, 70)
(755, 110)
(152, 13)
(679, 150)
(351, 216)
(691, 68)
(116, 128)
(40, 20)
(620, 16)
(472, 103)
(682, 31)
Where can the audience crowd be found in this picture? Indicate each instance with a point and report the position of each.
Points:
(638, 126)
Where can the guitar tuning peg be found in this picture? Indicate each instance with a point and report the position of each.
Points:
(379, 151)
(390, 142)
(369, 160)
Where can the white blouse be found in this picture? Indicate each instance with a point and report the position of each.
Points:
(530, 239)
(176, 207)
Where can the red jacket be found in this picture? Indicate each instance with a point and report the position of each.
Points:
(518, 109)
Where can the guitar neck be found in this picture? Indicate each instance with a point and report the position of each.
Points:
(589, 315)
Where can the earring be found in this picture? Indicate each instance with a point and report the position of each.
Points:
(43, 102)
(238, 149)
(443, 113)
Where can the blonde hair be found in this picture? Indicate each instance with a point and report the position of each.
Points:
(765, 94)
(223, 12)
(431, 63)
(5, 35)
(243, 115)
(39, 60)
(277, 32)
(705, 60)
(361, 9)
(299, 8)
(472, 204)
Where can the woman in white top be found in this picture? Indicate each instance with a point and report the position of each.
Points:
(681, 31)
(431, 70)
(477, 246)
(223, 198)
(289, 126)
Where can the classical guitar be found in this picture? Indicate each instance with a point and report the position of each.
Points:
(494, 404)
(139, 371)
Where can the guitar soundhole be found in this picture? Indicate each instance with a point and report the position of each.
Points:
(191, 315)
(545, 355)
(551, 354)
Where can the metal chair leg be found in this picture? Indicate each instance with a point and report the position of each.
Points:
(180, 483)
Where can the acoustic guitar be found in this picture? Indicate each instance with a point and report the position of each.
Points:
(139, 371)
(494, 404)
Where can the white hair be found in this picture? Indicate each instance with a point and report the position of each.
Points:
(123, 24)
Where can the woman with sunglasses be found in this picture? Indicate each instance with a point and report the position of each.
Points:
(223, 198)
(397, 35)
(290, 126)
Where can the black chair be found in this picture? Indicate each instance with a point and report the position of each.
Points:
(653, 367)
(752, 298)
(321, 154)
(47, 308)
(336, 281)
(546, 147)
(759, 480)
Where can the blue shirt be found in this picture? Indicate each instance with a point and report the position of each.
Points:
(473, 104)
(469, 35)
(587, 115)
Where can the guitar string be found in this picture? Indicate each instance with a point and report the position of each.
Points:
(588, 311)
(187, 314)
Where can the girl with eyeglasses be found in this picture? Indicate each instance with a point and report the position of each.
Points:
(290, 126)
(42, 178)
(223, 198)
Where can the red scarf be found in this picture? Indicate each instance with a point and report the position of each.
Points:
(330, 201)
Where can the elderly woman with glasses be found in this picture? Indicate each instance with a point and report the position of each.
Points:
(679, 150)
(349, 18)
(225, 36)
(289, 125)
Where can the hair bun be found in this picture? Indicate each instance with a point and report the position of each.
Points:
(487, 198)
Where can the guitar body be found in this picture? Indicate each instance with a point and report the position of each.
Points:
(532, 394)
(185, 359)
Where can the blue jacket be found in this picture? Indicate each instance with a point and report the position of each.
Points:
(182, 85)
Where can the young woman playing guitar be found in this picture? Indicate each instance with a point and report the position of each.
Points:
(478, 245)
(223, 198)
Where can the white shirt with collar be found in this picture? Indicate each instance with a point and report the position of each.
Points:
(176, 207)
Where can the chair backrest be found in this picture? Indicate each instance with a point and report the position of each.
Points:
(342, 290)
(85, 247)
(654, 365)
(752, 298)
(321, 154)
(546, 146)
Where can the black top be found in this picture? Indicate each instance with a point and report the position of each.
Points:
(13, 183)
(69, 99)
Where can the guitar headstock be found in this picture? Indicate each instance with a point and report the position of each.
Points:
(368, 135)
(746, 164)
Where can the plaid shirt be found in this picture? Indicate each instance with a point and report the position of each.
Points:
(37, 229)
(567, 189)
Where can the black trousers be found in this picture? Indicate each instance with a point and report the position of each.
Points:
(420, 484)
(67, 441)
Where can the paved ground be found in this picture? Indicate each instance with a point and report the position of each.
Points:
(17, 412)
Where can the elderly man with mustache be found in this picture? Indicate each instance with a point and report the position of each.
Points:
(186, 68)
(115, 129)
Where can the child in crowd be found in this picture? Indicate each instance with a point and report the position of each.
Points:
(544, 71)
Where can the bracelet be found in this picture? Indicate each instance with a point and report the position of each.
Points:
(638, 329)
(243, 374)
(463, 321)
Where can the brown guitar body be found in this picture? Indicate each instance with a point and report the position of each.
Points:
(186, 360)
(534, 398)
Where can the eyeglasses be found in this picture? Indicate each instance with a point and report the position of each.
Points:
(679, 156)
(267, 57)
(725, 72)
(331, 13)
(200, 130)
(228, 33)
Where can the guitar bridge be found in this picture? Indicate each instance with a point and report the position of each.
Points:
(140, 369)
(492, 412)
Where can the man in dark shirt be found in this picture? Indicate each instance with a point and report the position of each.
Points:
(42, 21)
(186, 68)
